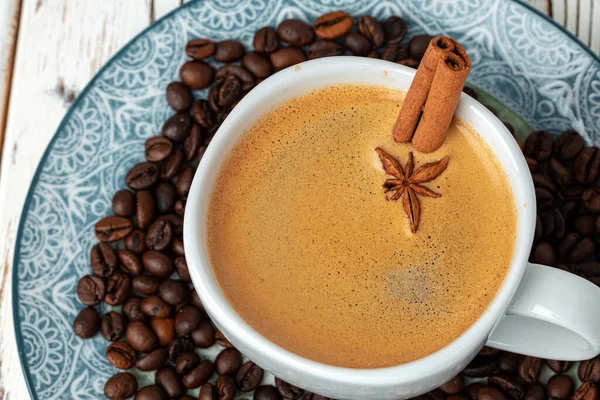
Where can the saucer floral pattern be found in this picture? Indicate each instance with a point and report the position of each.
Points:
(519, 57)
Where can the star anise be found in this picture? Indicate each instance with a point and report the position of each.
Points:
(408, 183)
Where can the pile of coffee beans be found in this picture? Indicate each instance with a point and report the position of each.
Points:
(139, 263)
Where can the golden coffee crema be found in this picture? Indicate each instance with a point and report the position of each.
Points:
(311, 254)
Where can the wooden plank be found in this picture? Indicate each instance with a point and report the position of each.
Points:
(584, 23)
(559, 12)
(62, 43)
(163, 7)
(541, 5)
(595, 32)
(9, 26)
(571, 19)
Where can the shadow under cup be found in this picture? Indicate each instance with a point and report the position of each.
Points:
(405, 380)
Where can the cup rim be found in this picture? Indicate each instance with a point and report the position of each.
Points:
(223, 314)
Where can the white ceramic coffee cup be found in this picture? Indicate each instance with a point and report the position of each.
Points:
(538, 311)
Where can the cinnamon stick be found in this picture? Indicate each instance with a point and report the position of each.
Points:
(433, 95)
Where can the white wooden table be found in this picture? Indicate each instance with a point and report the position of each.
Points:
(49, 50)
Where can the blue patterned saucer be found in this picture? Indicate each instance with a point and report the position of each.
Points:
(520, 57)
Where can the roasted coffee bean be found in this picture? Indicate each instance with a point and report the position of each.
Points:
(357, 44)
(471, 390)
(568, 145)
(539, 229)
(228, 91)
(542, 181)
(370, 28)
(587, 391)
(333, 25)
(121, 355)
(287, 390)
(186, 362)
(135, 241)
(141, 337)
(586, 167)
(172, 164)
(560, 387)
(589, 370)
(153, 360)
(195, 301)
(184, 181)
(418, 45)
(154, 306)
(559, 366)
(202, 114)
(471, 92)
(395, 52)
(199, 375)
(174, 292)
(145, 284)
(123, 203)
(295, 32)
(179, 97)
(87, 323)
(170, 381)
(574, 249)
(132, 309)
(480, 367)
(585, 224)
(509, 385)
(394, 29)
(112, 326)
(571, 193)
(454, 385)
(508, 362)
(286, 57)
(178, 251)
(120, 386)
(192, 143)
(199, 49)
(165, 196)
(182, 268)
(152, 392)
(117, 289)
(103, 259)
(433, 395)
(142, 176)
(220, 338)
(265, 40)
(226, 387)
(266, 392)
(196, 74)
(553, 224)
(164, 328)
(534, 391)
(179, 346)
(314, 396)
(111, 229)
(373, 54)
(208, 391)
(159, 235)
(530, 368)
(488, 351)
(90, 290)
(539, 145)
(228, 51)
(145, 208)
(187, 319)
(130, 262)
(569, 210)
(213, 103)
(323, 48)
(591, 200)
(201, 152)
(176, 222)
(187, 397)
(259, 65)
(248, 377)
(158, 264)
(490, 393)
(177, 127)
(228, 362)
(544, 199)
(204, 335)
(560, 173)
(532, 164)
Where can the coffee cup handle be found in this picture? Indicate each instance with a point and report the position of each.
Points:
(554, 315)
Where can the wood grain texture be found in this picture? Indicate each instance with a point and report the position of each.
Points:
(60, 45)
